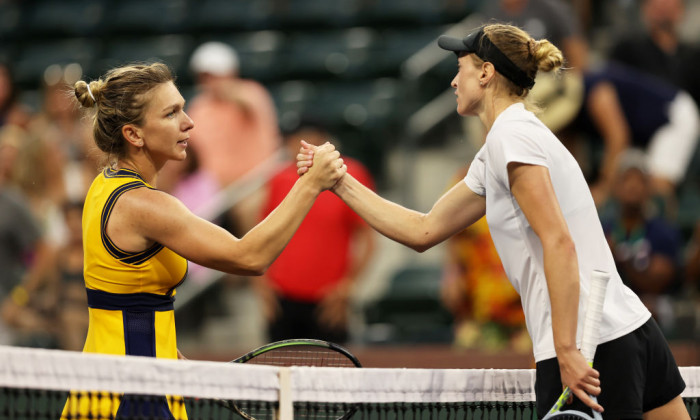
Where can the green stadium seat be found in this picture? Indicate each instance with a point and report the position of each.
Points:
(64, 18)
(231, 15)
(173, 50)
(410, 310)
(148, 17)
(300, 14)
(10, 20)
(34, 58)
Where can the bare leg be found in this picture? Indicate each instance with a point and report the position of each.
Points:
(674, 409)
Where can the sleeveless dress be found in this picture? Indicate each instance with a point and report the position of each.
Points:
(130, 300)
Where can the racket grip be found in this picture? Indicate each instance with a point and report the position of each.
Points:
(594, 312)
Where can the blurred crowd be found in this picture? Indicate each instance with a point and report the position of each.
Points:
(628, 112)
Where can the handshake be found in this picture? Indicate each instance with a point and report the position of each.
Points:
(322, 165)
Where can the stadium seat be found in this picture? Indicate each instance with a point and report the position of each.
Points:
(231, 16)
(400, 12)
(300, 14)
(10, 19)
(344, 53)
(64, 18)
(258, 52)
(398, 45)
(410, 310)
(173, 50)
(34, 58)
(149, 17)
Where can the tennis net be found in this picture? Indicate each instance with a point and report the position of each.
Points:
(36, 383)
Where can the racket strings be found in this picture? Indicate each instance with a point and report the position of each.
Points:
(302, 356)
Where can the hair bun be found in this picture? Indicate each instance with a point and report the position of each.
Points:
(87, 94)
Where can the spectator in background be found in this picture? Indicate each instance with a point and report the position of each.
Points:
(658, 48)
(60, 127)
(646, 247)
(303, 300)
(12, 112)
(25, 257)
(71, 308)
(626, 108)
(237, 129)
(475, 289)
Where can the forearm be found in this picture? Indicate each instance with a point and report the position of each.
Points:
(390, 219)
(563, 284)
(266, 241)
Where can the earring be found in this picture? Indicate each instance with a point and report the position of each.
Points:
(481, 83)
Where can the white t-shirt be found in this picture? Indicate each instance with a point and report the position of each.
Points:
(518, 136)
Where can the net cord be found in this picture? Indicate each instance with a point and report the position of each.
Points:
(66, 371)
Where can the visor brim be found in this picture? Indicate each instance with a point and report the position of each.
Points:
(452, 44)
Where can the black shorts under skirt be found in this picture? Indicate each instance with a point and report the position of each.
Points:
(637, 374)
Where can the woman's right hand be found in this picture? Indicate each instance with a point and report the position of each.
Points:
(326, 167)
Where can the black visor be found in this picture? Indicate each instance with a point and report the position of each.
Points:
(479, 43)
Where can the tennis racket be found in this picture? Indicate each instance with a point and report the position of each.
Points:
(297, 352)
(591, 323)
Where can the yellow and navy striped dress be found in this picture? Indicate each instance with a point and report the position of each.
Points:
(130, 299)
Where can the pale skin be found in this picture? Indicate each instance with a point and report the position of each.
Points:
(479, 93)
(143, 216)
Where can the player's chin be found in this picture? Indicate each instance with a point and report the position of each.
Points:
(180, 155)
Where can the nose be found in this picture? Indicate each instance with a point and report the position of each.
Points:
(189, 124)
(454, 82)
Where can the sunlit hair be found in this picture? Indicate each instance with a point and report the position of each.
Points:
(526, 53)
(120, 98)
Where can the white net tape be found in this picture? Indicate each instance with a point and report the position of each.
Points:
(64, 371)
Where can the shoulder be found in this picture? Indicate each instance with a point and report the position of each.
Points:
(148, 204)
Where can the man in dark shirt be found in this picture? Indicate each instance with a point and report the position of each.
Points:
(658, 50)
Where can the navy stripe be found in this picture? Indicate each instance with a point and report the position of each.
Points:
(122, 173)
(107, 210)
(133, 258)
(143, 407)
(99, 299)
(142, 256)
(139, 333)
(140, 340)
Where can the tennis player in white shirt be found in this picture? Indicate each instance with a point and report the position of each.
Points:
(547, 232)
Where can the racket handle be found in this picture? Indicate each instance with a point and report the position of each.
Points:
(594, 311)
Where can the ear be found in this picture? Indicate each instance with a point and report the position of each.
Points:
(133, 135)
(488, 71)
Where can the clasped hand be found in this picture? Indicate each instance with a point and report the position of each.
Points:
(322, 164)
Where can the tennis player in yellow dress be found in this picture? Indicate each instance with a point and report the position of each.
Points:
(137, 239)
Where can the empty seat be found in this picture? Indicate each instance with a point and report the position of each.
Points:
(258, 53)
(410, 310)
(300, 13)
(34, 58)
(228, 15)
(152, 16)
(413, 12)
(336, 53)
(10, 19)
(172, 50)
(64, 18)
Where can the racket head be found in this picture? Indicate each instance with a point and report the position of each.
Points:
(301, 352)
(569, 415)
(297, 352)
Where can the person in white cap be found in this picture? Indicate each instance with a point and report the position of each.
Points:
(237, 127)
